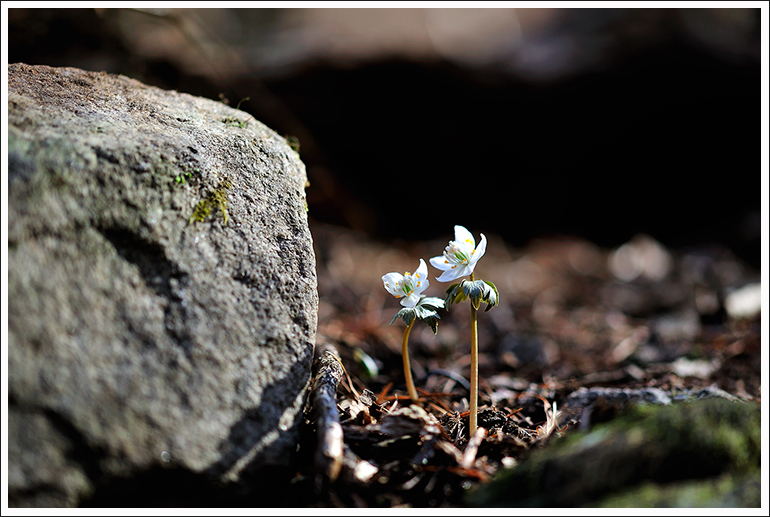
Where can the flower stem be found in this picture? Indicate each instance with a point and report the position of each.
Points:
(474, 371)
(407, 369)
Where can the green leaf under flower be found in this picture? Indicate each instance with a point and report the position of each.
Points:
(492, 295)
(407, 314)
(476, 290)
(425, 310)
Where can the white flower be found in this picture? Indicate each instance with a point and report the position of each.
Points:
(460, 257)
(408, 286)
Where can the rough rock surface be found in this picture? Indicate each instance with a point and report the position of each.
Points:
(162, 289)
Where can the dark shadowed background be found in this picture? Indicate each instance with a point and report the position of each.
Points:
(599, 123)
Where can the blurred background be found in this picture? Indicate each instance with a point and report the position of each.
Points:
(599, 123)
(611, 157)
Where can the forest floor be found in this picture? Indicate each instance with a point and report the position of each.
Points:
(579, 333)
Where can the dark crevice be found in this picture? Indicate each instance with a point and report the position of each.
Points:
(106, 154)
(79, 452)
(159, 274)
(155, 268)
(259, 420)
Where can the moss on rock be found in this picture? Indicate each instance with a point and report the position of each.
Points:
(675, 450)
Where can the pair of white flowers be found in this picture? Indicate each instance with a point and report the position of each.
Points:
(459, 260)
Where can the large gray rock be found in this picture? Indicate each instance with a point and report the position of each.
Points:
(161, 287)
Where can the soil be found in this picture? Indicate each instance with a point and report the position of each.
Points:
(575, 341)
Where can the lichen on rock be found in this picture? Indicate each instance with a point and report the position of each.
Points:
(217, 199)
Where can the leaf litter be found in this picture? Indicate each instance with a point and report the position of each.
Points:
(572, 349)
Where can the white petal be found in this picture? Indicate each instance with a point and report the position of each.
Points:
(453, 274)
(391, 282)
(411, 300)
(482, 248)
(422, 270)
(464, 238)
(421, 284)
(440, 263)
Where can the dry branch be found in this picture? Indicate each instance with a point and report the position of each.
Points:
(329, 453)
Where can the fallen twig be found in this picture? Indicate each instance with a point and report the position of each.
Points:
(329, 453)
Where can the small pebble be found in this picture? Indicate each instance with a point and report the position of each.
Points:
(641, 256)
(744, 303)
